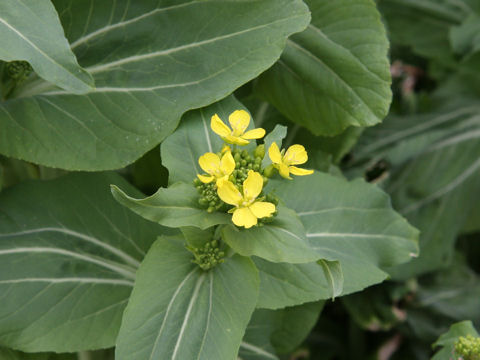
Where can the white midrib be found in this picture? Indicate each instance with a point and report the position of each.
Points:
(40, 50)
(257, 350)
(125, 23)
(134, 58)
(127, 258)
(354, 235)
(167, 312)
(198, 285)
(48, 250)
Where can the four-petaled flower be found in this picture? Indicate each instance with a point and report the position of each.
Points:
(295, 155)
(247, 210)
(239, 121)
(216, 168)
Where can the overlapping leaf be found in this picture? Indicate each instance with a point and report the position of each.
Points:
(68, 256)
(353, 223)
(335, 74)
(31, 31)
(178, 311)
(151, 62)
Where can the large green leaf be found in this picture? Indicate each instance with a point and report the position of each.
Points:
(283, 284)
(194, 137)
(21, 22)
(282, 240)
(151, 62)
(175, 206)
(434, 172)
(335, 74)
(68, 256)
(8, 354)
(177, 311)
(352, 222)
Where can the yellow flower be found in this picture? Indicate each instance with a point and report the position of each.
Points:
(247, 209)
(216, 168)
(239, 121)
(295, 155)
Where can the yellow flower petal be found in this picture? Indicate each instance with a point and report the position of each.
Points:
(225, 148)
(254, 134)
(236, 140)
(295, 155)
(262, 209)
(252, 186)
(227, 164)
(219, 127)
(210, 163)
(274, 154)
(205, 179)
(229, 193)
(221, 180)
(284, 171)
(239, 121)
(298, 171)
(244, 217)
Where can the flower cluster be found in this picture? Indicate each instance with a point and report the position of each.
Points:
(18, 70)
(468, 347)
(236, 177)
(207, 256)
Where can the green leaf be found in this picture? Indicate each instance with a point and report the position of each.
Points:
(49, 54)
(187, 313)
(175, 206)
(282, 240)
(9, 354)
(465, 38)
(68, 257)
(283, 284)
(275, 136)
(433, 171)
(334, 275)
(151, 63)
(278, 331)
(194, 137)
(336, 73)
(447, 340)
(353, 223)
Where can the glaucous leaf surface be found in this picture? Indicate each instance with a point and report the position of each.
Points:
(151, 61)
(194, 137)
(178, 311)
(21, 22)
(68, 257)
(283, 284)
(433, 175)
(353, 223)
(447, 340)
(335, 74)
(175, 206)
(282, 240)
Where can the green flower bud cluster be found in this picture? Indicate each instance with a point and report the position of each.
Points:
(208, 256)
(18, 70)
(208, 196)
(468, 347)
(244, 161)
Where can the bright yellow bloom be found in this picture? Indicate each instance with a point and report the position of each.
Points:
(295, 155)
(239, 121)
(247, 209)
(216, 168)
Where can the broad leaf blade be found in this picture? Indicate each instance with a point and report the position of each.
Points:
(187, 313)
(175, 206)
(68, 256)
(151, 63)
(283, 284)
(49, 54)
(447, 340)
(335, 74)
(282, 240)
(352, 222)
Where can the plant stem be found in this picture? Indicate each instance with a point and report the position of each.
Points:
(84, 355)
